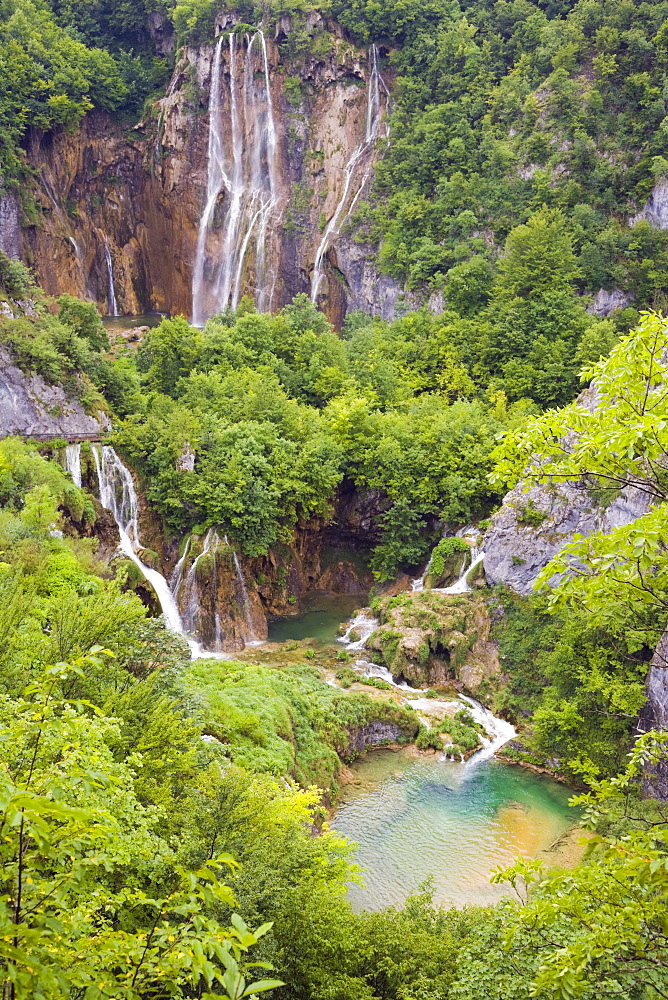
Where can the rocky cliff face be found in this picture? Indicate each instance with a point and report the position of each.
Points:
(120, 212)
(32, 408)
(655, 716)
(10, 223)
(534, 524)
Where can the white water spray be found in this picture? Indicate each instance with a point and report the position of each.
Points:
(359, 631)
(73, 463)
(499, 732)
(244, 173)
(112, 304)
(192, 611)
(462, 585)
(354, 179)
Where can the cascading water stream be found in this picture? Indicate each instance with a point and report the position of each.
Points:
(499, 731)
(176, 579)
(245, 171)
(73, 463)
(112, 304)
(460, 586)
(375, 128)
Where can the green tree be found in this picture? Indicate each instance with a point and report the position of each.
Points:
(168, 354)
(93, 900)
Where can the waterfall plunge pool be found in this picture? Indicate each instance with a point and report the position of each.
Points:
(320, 620)
(416, 817)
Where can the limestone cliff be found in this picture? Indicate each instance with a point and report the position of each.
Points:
(30, 407)
(536, 522)
(655, 716)
(120, 211)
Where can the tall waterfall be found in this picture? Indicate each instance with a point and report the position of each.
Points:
(243, 171)
(73, 463)
(112, 304)
(357, 170)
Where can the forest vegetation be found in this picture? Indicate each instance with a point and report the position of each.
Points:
(141, 860)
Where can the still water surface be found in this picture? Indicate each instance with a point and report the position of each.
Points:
(320, 620)
(426, 817)
(131, 322)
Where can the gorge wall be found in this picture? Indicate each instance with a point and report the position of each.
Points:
(240, 182)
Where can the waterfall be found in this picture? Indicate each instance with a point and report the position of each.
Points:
(244, 171)
(118, 495)
(499, 731)
(176, 579)
(364, 626)
(112, 305)
(417, 586)
(73, 463)
(245, 599)
(460, 586)
(375, 128)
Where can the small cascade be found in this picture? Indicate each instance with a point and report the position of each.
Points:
(417, 586)
(73, 463)
(354, 180)
(176, 579)
(364, 626)
(244, 170)
(245, 599)
(462, 586)
(499, 731)
(112, 304)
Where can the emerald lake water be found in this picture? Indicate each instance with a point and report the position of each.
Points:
(416, 818)
(320, 620)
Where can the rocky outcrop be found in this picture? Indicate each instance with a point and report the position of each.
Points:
(10, 224)
(655, 209)
(375, 734)
(431, 639)
(607, 302)
(30, 407)
(364, 287)
(655, 716)
(123, 208)
(534, 524)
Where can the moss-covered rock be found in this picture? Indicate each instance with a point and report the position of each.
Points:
(435, 639)
(448, 561)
